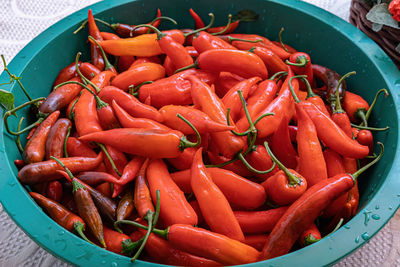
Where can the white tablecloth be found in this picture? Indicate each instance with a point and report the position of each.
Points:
(21, 21)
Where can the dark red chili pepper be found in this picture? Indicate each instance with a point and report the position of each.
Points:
(60, 97)
(330, 79)
(256, 222)
(35, 147)
(255, 241)
(19, 163)
(302, 213)
(129, 103)
(208, 102)
(55, 140)
(47, 170)
(243, 63)
(127, 121)
(96, 56)
(129, 173)
(198, 22)
(94, 178)
(200, 120)
(125, 30)
(214, 206)
(174, 90)
(54, 191)
(310, 236)
(174, 207)
(282, 145)
(67, 73)
(311, 159)
(232, 100)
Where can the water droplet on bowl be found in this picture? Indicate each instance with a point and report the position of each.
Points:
(357, 240)
(61, 233)
(376, 217)
(377, 207)
(103, 262)
(114, 264)
(365, 236)
(346, 227)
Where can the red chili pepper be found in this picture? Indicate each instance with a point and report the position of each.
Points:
(129, 173)
(169, 66)
(365, 137)
(198, 22)
(185, 159)
(208, 102)
(118, 158)
(311, 159)
(205, 41)
(174, 90)
(76, 148)
(286, 186)
(312, 97)
(58, 213)
(127, 121)
(243, 63)
(310, 236)
(140, 60)
(126, 206)
(104, 189)
(66, 74)
(225, 82)
(114, 240)
(138, 74)
(88, 70)
(260, 159)
(282, 145)
(214, 206)
(259, 99)
(332, 135)
(283, 104)
(232, 100)
(55, 140)
(300, 63)
(142, 196)
(96, 56)
(231, 28)
(60, 97)
(19, 163)
(174, 207)
(219, 247)
(355, 106)
(238, 190)
(129, 103)
(86, 117)
(54, 191)
(272, 61)
(255, 241)
(256, 222)
(200, 120)
(288, 47)
(236, 166)
(162, 251)
(192, 51)
(47, 170)
(35, 148)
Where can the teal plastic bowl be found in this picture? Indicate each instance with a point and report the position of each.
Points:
(329, 40)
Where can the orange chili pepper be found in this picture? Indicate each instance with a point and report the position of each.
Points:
(142, 197)
(205, 41)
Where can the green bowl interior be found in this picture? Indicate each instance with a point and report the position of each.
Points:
(330, 42)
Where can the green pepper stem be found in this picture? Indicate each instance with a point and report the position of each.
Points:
(18, 141)
(157, 31)
(221, 164)
(386, 94)
(184, 143)
(70, 175)
(310, 239)
(71, 115)
(134, 90)
(280, 40)
(149, 216)
(195, 65)
(231, 39)
(226, 27)
(15, 78)
(163, 233)
(79, 227)
(252, 169)
(158, 205)
(228, 111)
(336, 228)
(301, 61)
(293, 179)
(337, 100)
(11, 111)
(262, 116)
(310, 92)
(280, 73)
(204, 28)
(360, 171)
(107, 64)
(82, 26)
(369, 128)
(296, 99)
(65, 142)
(104, 149)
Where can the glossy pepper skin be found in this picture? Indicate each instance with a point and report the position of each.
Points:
(174, 207)
(302, 213)
(354, 106)
(282, 145)
(136, 141)
(256, 222)
(95, 51)
(210, 245)
(45, 171)
(205, 41)
(35, 148)
(208, 102)
(243, 63)
(125, 206)
(114, 239)
(55, 140)
(67, 73)
(142, 195)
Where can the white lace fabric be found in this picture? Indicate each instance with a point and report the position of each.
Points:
(20, 22)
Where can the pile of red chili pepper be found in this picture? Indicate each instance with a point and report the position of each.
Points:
(197, 147)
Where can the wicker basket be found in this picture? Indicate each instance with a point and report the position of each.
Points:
(387, 38)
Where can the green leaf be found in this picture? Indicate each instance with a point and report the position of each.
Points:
(376, 27)
(380, 14)
(6, 99)
(245, 15)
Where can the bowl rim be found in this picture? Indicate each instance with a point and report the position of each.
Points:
(11, 190)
